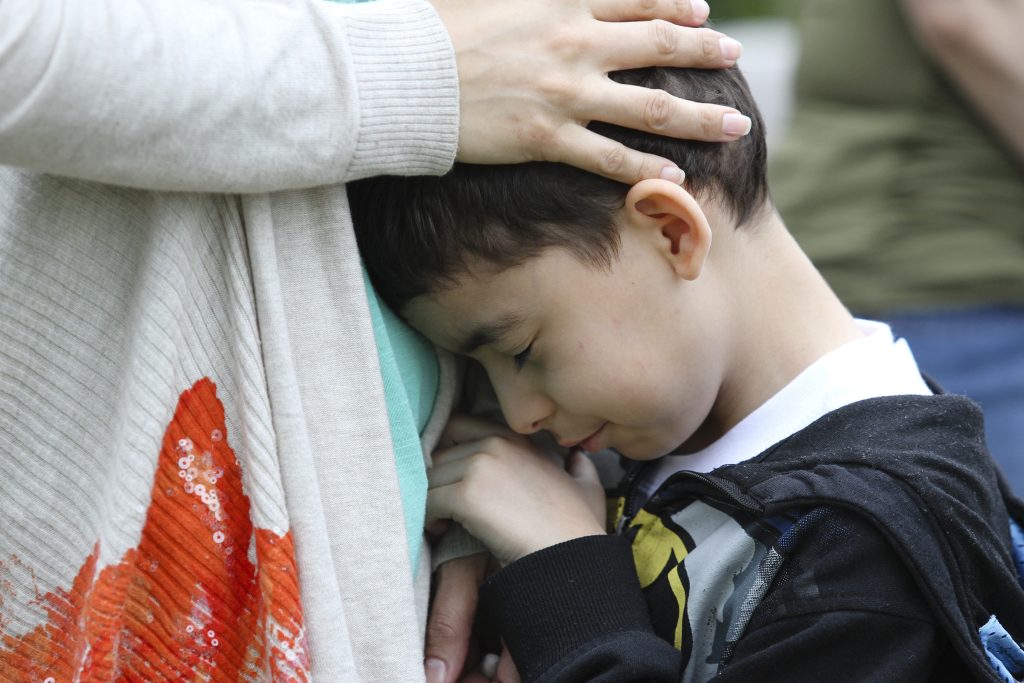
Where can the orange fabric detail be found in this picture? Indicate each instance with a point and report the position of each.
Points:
(188, 603)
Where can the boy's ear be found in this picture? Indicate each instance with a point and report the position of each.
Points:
(669, 216)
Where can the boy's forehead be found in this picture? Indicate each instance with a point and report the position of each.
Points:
(486, 332)
(464, 318)
(486, 303)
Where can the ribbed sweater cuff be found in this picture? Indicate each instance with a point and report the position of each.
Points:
(554, 602)
(408, 89)
(456, 543)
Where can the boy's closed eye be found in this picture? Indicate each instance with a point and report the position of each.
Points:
(523, 356)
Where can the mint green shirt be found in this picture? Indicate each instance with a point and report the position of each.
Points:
(410, 372)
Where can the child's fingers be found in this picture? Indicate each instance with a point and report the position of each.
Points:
(490, 444)
(463, 428)
(444, 502)
(584, 472)
(449, 472)
(453, 453)
(437, 527)
(582, 469)
(489, 460)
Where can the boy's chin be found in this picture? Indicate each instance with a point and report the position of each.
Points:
(644, 452)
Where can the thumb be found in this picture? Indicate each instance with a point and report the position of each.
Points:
(582, 469)
(450, 624)
(584, 472)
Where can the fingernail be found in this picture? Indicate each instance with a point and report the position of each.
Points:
(701, 10)
(731, 49)
(489, 665)
(735, 124)
(435, 670)
(673, 175)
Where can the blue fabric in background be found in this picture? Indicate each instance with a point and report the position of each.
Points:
(977, 352)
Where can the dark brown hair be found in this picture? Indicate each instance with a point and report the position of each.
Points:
(418, 234)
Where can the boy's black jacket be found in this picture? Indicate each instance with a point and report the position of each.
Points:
(913, 471)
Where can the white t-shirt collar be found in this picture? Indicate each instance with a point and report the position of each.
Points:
(875, 365)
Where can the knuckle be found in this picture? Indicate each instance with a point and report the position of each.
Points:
(657, 112)
(478, 472)
(549, 86)
(663, 36)
(682, 10)
(613, 160)
(710, 124)
(710, 50)
(643, 169)
(475, 469)
(476, 493)
(647, 8)
(557, 91)
(536, 136)
(567, 42)
(678, 11)
(493, 445)
(444, 626)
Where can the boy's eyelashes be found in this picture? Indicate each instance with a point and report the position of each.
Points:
(520, 358)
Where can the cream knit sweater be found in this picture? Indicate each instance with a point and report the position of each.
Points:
(196, 476)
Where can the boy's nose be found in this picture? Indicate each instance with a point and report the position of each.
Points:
(525, 428)
(524, 425)
(526, 413)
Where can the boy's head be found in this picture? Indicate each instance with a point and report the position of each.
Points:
(570, 288)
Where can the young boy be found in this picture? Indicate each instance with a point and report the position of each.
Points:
(801, 506)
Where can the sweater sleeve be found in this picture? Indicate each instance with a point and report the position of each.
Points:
(575, 612)
(226, 96)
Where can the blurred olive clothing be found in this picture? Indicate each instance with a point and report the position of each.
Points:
(901, 196)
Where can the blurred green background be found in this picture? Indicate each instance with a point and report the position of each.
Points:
(741, 9)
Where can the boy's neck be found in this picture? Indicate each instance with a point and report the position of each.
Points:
(785, 318)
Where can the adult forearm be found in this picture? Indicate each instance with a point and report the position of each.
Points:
(977, 44)
(215, 96)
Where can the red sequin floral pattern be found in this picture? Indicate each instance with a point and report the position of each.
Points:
(205, 596)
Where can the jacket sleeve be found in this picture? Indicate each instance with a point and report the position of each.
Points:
(844, 609)
(225, 96)
(575, 612)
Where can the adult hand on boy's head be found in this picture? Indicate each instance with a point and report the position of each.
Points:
(534, 73)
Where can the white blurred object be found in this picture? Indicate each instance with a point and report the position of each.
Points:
(489, 666)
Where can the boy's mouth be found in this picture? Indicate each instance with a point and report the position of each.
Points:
(587, 443)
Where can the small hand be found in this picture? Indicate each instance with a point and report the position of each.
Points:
(509, 495)
(534, 73)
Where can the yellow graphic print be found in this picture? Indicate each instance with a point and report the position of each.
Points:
(657, 549)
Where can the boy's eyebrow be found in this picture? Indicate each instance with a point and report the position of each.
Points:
(488, 333)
